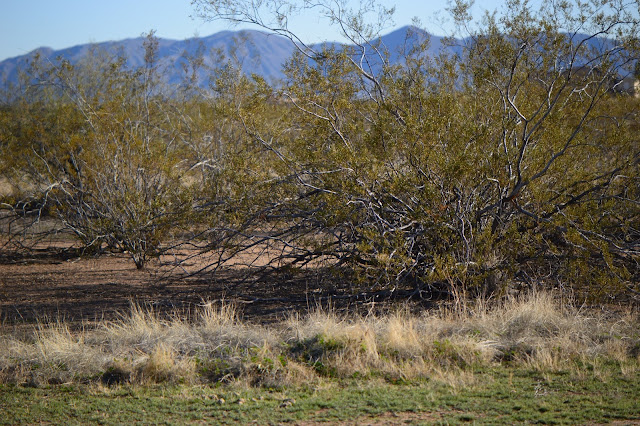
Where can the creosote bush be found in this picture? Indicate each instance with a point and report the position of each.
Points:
(506, 160)
(509, 159)
(101, 147)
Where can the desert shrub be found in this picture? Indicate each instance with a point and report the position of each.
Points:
(100, 146)
(508, 158)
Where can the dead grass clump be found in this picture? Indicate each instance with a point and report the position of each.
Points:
(140, 347)
(214, 345)
(401, 334)
(537, 330)
(164, 364)
(541, 330)
(52, 355)
(398, 346)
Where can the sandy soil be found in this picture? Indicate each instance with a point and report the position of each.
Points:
(49, 284)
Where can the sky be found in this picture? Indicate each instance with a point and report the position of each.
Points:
(28, 24)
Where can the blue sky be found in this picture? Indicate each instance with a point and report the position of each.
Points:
(28, 24)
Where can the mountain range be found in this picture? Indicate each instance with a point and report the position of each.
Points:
(258, 52)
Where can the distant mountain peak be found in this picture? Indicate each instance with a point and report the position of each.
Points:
(261, 53)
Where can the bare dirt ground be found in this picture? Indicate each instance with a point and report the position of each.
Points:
(50, 284)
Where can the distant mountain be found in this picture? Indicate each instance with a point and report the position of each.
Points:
(258, 52)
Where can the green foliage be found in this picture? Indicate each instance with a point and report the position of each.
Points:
(505, 395)
(100, 146)
(511, 161)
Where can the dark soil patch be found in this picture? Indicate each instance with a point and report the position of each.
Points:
(54, 284)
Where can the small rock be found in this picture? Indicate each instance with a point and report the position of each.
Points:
(55, 381)
(217, 399)
(288, 402)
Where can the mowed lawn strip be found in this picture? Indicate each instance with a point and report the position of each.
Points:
(495, 395)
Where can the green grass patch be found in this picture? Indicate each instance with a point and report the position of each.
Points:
(500, 394)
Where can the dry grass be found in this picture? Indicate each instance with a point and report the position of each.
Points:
(214, 345)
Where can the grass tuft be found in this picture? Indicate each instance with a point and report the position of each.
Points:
(536, 332)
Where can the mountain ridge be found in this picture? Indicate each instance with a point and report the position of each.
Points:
(256, 51)
(259, 52)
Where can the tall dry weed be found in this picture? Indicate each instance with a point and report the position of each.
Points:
(537, 330)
